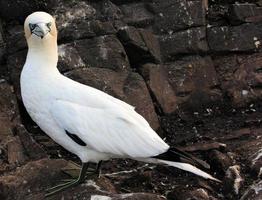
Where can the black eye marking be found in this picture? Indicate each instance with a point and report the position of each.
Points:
(49, 25)
(32, 26)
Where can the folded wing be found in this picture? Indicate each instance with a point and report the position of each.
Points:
(113, 130)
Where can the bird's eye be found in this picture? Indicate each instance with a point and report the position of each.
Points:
(32, 26)
(49, 25)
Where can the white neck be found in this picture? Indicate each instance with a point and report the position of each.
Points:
(43, 55)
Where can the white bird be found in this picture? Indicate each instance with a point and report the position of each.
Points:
(87, 122)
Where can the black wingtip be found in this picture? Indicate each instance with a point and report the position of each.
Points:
(176, 155)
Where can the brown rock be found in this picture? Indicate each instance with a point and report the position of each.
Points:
(243, 38)
(195, 82)
(16, 153)
(141, 45)
(254, 192)
(33, 177)
(190, 41)
(240, 77)
(9, 114)
(157, 81)
(15, 65)
(255, 163)
(127, 86)
(32, 149)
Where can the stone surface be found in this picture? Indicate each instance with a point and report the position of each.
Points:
(18, 10)
(240, 77)
(171, 16)
(254, 192)
(15, 64)
(219, 161)
(15, 40)
(195, 193)
(233, 182)
(2, 46)
(194, 78)
(255, 164)
(137, 14)
(141, 45)
(9, 114)
(128, 86)
(31, 148)
(246, 12)
(43, 173)
(16, 153)
(191, 41)
(157, 81)
(243, 38)
(103, 52)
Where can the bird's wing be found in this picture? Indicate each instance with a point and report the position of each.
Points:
(116, 130)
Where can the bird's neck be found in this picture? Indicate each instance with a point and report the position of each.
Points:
(45, 55)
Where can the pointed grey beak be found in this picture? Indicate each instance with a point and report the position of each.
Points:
(40, 29)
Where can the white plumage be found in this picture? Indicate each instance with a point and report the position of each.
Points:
(109, 127)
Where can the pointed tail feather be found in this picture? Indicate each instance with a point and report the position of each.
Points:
(182, 160)
(189, 168)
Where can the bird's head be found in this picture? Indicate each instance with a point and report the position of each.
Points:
(40, 29)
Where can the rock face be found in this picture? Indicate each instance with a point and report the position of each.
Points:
(192, 68)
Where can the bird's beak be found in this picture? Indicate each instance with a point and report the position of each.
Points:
(40, 29)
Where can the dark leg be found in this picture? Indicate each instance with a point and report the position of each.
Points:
(73, 183)
(98, 168)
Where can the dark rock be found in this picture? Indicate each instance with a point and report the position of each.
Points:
(204, 147)
(136, 14)
(103, 52)
(68, 58)
(158, 84)
(9, 114)
(32, 149)
(15, 64)
(240, 77)
(219, 161)
(15, 39)
(2, 46)
(137, 196)
(195, 82)
(243, 38)
(68, 12)
(194, 194)
(108, 11)
(191, 41)
(141, 45)
(16, 154)
(127, 86)
(254, 192)
(18, 10)
(233, 182)
(255, 164)
(171, 16)
(247, 12)
(33, 177)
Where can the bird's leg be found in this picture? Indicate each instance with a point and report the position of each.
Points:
(98, 168)
(64, 186)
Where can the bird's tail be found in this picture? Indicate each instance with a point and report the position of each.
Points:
(179, 159)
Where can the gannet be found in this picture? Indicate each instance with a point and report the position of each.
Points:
(87, 122)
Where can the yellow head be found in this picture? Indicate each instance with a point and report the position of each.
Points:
(40, 30)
